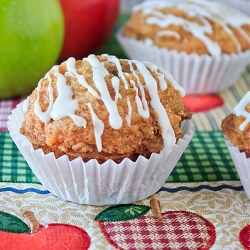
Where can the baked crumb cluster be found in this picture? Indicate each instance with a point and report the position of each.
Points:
(102, 107)
(194, 26)
(236, 126)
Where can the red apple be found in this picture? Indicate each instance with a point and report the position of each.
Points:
(14, 234)
(128, 226)
(54, 237)
(88, 25)
(245, 237)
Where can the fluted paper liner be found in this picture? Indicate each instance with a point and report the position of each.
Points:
(196, 74)
(99, 184)
(242, 165)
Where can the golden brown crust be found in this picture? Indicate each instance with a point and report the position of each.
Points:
(239, 138)
(138, 28)
(141, 137)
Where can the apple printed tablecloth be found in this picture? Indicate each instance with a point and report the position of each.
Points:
(202, 205)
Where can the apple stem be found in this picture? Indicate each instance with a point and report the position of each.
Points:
(34, 224)
(156, 208)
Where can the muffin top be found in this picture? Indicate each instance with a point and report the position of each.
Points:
(193, 26)
(236, 126)
(103, 107)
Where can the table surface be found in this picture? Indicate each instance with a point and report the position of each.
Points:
(204, 184)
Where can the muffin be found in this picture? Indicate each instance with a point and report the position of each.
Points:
(104, 124)
(204, 45)
(236, 128)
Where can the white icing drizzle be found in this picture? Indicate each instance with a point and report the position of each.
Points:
(219, 13)
(64, 105)
(240, 109)
(244, 34)
(99, 72)
(169, 33)
(142, 105)
(143, 112)
(196, 29)
(163, 84)
(169, 77)
(173, 82)
(129, 115)
(70, 63)
(163, 120)
(119, 69)
(116, 83)
(44, 116)
(98, 127)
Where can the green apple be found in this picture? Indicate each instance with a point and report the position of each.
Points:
(31, 37)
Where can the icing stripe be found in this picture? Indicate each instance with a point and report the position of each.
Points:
(99, 72)
(64, 105)
(98, 127)
(44, 116)
(70, 63)
(167, 131)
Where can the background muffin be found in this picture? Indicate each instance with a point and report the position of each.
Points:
(102, 130)
(236, 128)
(201, 43)
(189, 27)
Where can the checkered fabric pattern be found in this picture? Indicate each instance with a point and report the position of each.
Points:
(13, 167)
(5, 109)
(182, 230)
(205, 159)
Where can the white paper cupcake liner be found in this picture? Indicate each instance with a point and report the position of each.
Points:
(196, 74)
(99, 184)
(242, 165)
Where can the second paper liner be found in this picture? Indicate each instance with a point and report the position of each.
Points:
(242, 165)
